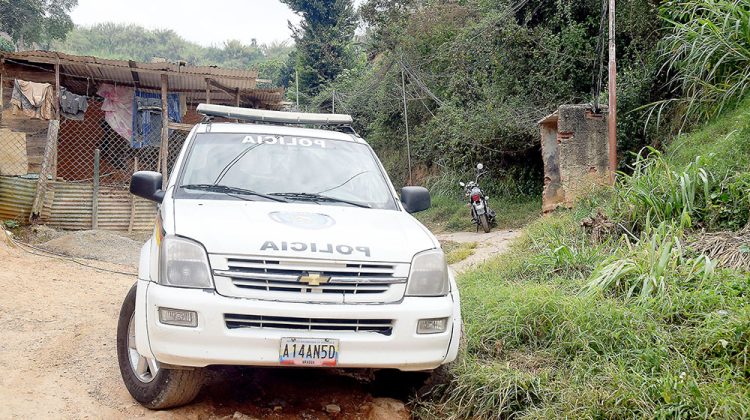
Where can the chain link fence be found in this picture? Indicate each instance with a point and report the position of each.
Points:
(118, 157)
(73, 184)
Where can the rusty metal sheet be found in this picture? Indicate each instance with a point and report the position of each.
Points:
(16, 198)
(71, 208)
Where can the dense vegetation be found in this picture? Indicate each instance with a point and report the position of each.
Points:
(480, 74)
(321, 41)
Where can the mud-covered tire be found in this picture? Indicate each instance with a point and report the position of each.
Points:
(169, 387)
(485, 223)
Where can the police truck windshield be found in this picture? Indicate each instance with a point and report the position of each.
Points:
(284, 168)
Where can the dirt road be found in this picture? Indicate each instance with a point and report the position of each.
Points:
(488, 245)
(58, 359)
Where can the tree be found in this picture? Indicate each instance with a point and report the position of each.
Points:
(36, 21)
(322, 40)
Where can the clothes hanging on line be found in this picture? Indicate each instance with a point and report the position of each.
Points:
(147, 117)
(72, 106)
(118, 108)
(35, 100)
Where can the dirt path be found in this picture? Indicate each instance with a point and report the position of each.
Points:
(488, 245)
(58, 357)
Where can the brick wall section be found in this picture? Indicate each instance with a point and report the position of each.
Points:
(575, 152)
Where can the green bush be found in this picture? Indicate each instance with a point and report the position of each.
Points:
(656, 263)
(656, 192)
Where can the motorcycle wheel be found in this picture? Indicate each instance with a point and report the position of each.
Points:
(485, 223)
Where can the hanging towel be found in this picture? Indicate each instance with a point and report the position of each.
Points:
(35, 100)
(118, 108)
(147, 117)
(72, 106)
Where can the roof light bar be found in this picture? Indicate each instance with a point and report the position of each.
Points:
(280, 117)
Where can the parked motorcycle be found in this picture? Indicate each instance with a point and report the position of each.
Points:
(481, 214)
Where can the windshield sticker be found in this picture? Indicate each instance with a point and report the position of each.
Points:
(284, 141)
(315, 247)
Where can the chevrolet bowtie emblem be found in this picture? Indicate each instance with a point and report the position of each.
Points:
(314, 279)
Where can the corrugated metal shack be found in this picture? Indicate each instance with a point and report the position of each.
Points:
(74, 173)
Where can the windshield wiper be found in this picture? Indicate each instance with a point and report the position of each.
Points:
(225, 189)
(319, 197)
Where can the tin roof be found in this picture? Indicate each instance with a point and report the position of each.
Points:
(80, 73)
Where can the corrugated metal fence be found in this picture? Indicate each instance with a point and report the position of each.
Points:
(69, 205)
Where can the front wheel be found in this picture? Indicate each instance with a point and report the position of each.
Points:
(149, 384)
(485, 223)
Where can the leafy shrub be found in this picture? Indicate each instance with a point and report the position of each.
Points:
(657, 262)
(654, 191)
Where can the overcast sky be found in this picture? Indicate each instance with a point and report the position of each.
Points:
(205, 22)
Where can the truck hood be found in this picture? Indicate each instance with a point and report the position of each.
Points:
(301, 230)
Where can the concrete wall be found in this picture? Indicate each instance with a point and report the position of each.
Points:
(575, 152)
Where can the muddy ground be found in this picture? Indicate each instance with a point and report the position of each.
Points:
(58, 357)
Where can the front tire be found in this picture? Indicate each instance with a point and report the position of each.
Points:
(154, 387)
(485, 223)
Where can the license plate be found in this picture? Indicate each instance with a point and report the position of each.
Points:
(308, 351)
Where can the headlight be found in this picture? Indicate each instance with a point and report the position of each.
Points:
(428, 275)
(183, 263)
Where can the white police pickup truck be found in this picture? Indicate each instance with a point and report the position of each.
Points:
(277, 245)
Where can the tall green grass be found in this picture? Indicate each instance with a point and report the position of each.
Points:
(707, 52)
(654, 191)
(538, 346)
(653, 265)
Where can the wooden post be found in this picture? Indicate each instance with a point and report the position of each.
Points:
(41, 185)
(95, 193)
(53, 165)
(2, 71)
(132, 198)
(164, 151)
(612, 118)
(237, 101)
(57, 90)
(208, 90)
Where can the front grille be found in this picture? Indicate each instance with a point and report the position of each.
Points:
(381, 326)
(281, 277)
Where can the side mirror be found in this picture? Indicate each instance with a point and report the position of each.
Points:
(480, 166)
(462, 184)
(415, 199)
(147, 184)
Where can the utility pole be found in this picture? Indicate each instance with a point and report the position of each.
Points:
(334, 101)
(406, 121)
(612, 120)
